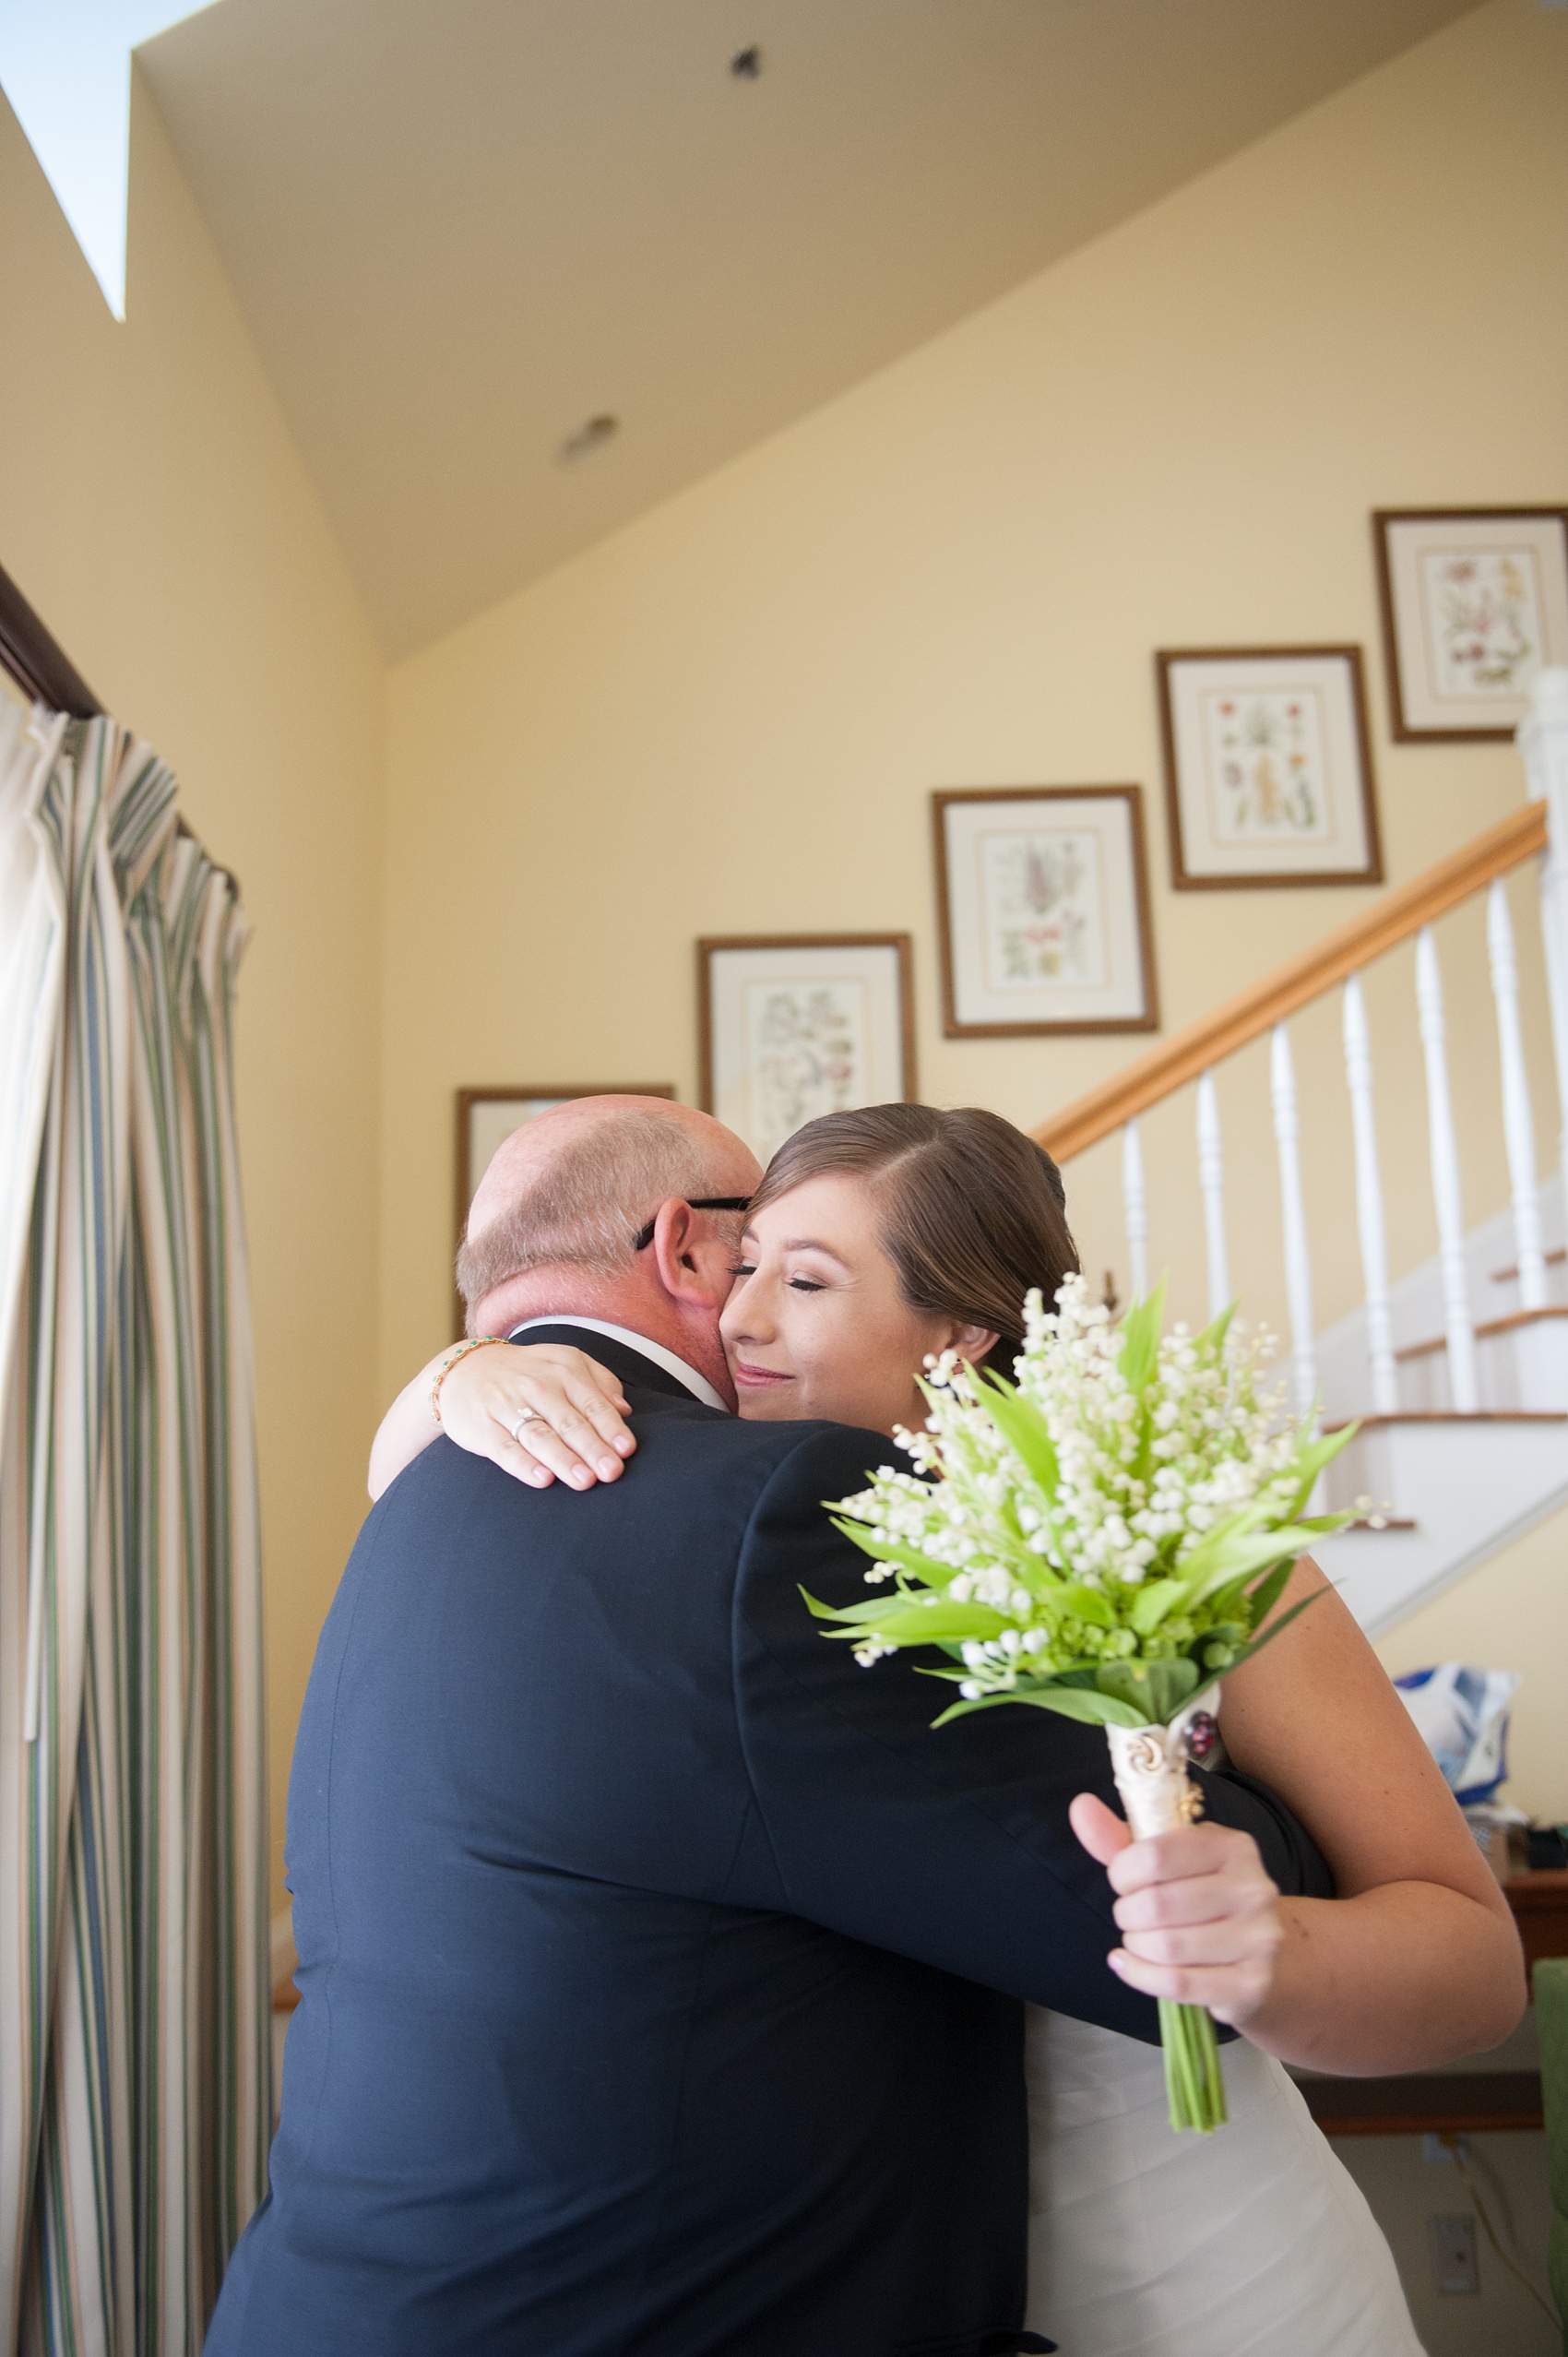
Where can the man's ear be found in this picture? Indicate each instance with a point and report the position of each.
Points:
(690, 1268)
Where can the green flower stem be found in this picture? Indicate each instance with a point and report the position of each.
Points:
(1193, 2080)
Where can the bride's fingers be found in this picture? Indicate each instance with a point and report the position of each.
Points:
(514, 1458)
(1173, 1857)
(1102, 1832)
(584, 1423)
(603, 1410)
(553, 1413)
(1236, 1940)
(1197, 1898)
(565, 1445)
(1233, 1992)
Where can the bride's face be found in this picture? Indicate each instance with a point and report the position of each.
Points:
(816, 1326)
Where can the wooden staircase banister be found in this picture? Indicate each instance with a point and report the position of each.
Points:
(1389, 920)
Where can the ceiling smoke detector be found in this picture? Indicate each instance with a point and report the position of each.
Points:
(591, 436)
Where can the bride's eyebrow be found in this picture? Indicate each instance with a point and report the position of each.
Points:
(809, 1244)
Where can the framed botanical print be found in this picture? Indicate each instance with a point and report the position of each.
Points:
(1042, 897)
(1475, 602)
(1269, 775)
(487, 1116)
(794, 1024)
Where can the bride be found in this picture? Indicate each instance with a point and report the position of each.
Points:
(878, 1237)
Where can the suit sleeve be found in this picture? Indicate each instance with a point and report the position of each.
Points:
(949, 1845)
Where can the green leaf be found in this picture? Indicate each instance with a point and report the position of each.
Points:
(1068, 1702)
(926, 1567)
(1195, 1565)
(1151, 1604)
(1025, 1431)
(1211, 1341)
(912, 1621)
(1277, 1629)
(1263, 1597)
(1311, 1457)
(1140, 1339)
(1256, 1553)
(1089, 1603)
(1157, 1689)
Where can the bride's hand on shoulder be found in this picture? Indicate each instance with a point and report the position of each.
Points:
(574, 1429)
(1198, 1915)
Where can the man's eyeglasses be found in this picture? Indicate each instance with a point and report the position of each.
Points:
(644, 1236)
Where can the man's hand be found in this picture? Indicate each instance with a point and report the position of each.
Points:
(1199, 1918)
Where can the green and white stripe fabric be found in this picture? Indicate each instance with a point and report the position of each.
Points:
(135, 2060)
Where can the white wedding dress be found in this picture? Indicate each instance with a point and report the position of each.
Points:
(1254, 2242)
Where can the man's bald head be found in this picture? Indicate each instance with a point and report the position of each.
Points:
(568, 1192)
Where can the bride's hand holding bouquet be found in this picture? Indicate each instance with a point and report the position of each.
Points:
(1105, 1539)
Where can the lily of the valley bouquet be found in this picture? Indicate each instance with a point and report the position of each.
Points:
(1101, 1539)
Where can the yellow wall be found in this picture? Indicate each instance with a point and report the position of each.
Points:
(729, 716)
(153, 510)
(1511, 1614)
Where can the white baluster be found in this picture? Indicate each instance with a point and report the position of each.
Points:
(1543, 741)
(1297, 1258)
(1369, 1203)
(1518, 1129)
(1134, 1210)
(1464, 1389)
(1211, 1179)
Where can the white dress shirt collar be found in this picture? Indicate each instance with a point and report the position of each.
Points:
(697, 1385)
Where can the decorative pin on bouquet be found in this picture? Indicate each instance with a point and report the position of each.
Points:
(1100, 1539)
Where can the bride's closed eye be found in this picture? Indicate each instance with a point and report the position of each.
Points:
(743, 1269)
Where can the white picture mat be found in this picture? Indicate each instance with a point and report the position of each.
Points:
(1430, 696)
(778, 1018)
(1104, 982)
(1336, 840)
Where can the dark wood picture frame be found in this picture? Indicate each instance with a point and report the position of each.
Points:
(1133, 796)
(1181, 879)
(1399, 727)
(468, 1097)
(902, 943)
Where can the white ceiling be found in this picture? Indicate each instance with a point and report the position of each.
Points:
(459, 228)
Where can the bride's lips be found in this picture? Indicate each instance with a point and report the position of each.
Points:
(756, 1378)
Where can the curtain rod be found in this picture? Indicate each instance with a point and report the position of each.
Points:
(41, 668)
(36, 663)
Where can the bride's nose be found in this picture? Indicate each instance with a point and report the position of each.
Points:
(744, 1317)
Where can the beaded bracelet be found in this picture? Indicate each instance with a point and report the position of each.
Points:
(475, 1342)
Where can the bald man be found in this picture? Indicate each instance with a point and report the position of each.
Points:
(661, 1974)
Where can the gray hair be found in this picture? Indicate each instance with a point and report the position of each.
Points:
(585, 1206)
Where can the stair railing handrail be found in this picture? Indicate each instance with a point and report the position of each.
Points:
(1188, 1054)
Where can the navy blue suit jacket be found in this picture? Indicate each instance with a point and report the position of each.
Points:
(660, 1970)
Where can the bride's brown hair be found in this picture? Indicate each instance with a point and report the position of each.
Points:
(971, 1212)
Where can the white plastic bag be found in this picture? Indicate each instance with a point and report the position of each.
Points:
(1461, 1713)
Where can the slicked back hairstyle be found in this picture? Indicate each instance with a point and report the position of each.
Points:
(971, 1213)
(586, 1204)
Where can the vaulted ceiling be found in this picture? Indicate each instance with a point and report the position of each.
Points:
(461, 228)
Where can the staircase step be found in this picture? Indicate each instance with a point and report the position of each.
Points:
(1455, 1416)
(1558, 1254)
(1472, 1497)
(1488, 1327)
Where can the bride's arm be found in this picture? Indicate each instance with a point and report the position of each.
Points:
(1417, 1961)
(579, 1434)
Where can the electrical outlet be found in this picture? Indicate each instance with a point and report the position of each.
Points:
(1450, 2246)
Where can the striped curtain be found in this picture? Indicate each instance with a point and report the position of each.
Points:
(134, 2064)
